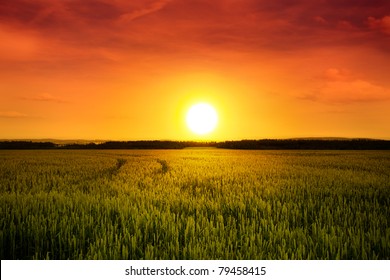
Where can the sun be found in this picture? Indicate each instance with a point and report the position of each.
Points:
(202, 118)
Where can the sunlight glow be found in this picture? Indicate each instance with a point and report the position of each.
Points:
(202, 118)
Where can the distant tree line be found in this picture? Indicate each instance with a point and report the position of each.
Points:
(155, 144)
(265, 144)
(306, 144)
(26, 145)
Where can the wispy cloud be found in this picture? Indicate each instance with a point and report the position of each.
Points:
(151, 8)
(352, 92)
(44, 97)
(12, 115)
(342, 87)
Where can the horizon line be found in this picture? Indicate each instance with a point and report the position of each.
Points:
(188, 140)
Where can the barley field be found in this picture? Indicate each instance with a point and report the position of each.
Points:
(194, 204)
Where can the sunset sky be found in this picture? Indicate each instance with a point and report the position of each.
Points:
(130, 70)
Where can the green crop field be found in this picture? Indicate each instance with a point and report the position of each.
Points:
(194, 204)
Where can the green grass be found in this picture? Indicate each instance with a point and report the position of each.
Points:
(194, 204)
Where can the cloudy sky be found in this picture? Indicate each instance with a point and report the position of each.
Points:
(126, 70)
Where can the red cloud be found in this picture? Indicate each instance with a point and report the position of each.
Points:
(320, 20)
(382, 24)
(336, 74)
(91, 32)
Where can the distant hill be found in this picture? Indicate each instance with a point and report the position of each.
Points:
(264, 144)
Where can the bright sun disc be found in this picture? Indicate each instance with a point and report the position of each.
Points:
(202, 118)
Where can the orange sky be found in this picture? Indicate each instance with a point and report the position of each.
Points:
(115, 69)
